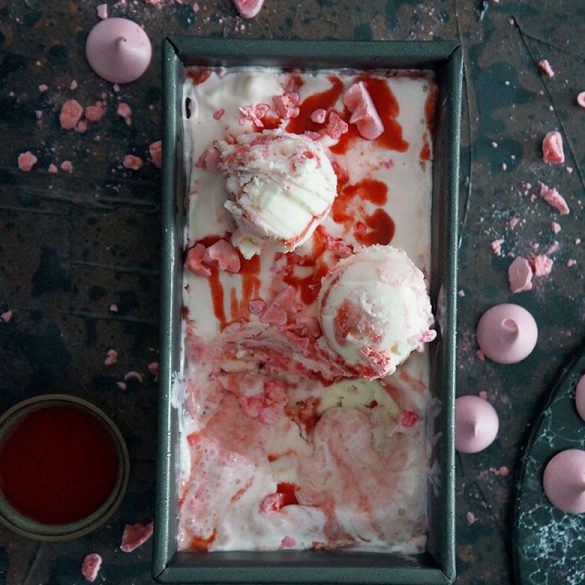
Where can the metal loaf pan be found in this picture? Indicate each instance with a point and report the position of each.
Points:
(437, 564)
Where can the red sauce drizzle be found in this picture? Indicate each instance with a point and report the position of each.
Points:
(366, 189)
(250, 269)
(381, 229)
(288, 491)
(325, 100)
(58, 465)
(202, 544)
(270, 123)
(388, 109)
(198, 75)
(310, 285)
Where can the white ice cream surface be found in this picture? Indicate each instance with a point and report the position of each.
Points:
(267, 406)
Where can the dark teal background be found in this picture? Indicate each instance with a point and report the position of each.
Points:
(72, 244)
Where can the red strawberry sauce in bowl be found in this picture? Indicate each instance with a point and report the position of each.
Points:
(64, 467)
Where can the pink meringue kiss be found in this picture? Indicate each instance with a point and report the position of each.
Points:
(580, 397)
(564, 481)
(118, 50)
(507, 333)
(476, 424)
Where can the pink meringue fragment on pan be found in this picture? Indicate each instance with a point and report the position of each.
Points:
(363, 112)
(554, 199)
(520, 275)
(135, 535)
(91, 566)
(552, 148)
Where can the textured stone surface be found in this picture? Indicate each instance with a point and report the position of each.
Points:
(72, 244)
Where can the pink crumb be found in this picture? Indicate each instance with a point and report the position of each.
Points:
(95, 113)
(520, 275)
(131, 162)
(428, 336)
(552, 148)
(312, 135)
(581, 99)
(113, 308)
(122, 385)
(379, 363)
(248, 8)
(254, 114)
(480, 355)
(209, 160)
(546, 67)
(408, 419)
(102, 11)
(363, 112)
(555, 227)
(153, 369)
(125, 112)
(112, 357)
(81, 127)
(133, 376)
(336, 127)
(135, 535)
(6, 317)
(26, 161)
(155, 150)
(71, 113)
(461, 293)
(194, 261)
(571, 262)
(553, 247)
(73, 85)
(256, 306)
(319, 116)
(90, 567)
(483, 395)
(288, 542)
(503, 471)
(43, 87)
(496, 247)
(67, 166)
(286, 105)
(217, 115)
(53, 169)
(196, 7)
(541, 265)
(470, 516)
(224, 255)
(513, 222)
(554, 199)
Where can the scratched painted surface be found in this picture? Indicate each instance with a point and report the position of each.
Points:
(71, 245)
(549, 544)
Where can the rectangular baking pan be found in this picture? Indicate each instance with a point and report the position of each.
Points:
(437, 564)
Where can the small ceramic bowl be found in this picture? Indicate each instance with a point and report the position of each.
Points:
(11, 514)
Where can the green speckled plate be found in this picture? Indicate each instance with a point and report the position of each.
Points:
(549, 545)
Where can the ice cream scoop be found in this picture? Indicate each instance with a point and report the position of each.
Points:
(564, 481)
(476, 424)
(118, 50)
(280, 188)
(507, 333)
(374, 310)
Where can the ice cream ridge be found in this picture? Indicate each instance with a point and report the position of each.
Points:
(305, 386)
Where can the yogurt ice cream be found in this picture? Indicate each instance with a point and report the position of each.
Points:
(374, 310)
(287, 442)
(280, 187)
